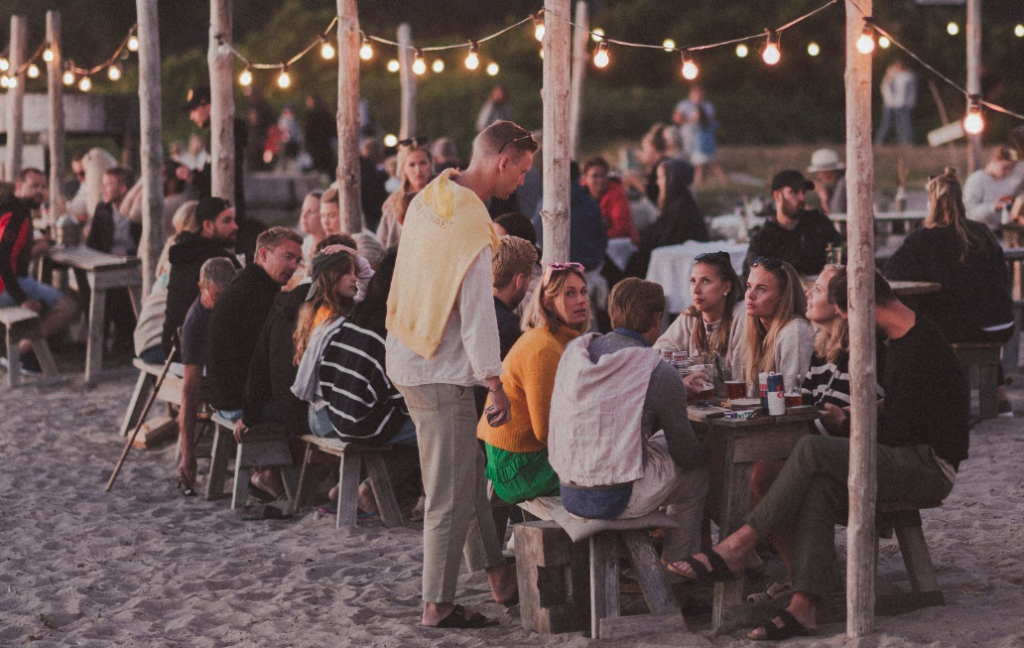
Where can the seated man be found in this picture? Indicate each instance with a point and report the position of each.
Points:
(615, 398)
(922, 438)
(796, 235)
(17, 249)
(215, 274)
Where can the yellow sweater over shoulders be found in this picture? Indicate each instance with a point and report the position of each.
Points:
(529, 379)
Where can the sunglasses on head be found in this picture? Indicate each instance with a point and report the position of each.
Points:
(418, 141)
(527, 135)
(768, 263)
(558, 267)
(711, 256)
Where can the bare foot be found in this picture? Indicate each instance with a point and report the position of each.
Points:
(268, 480)
(366, 501)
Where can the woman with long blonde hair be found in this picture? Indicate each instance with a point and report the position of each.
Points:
(779, 337)
(416, 168)
(517, 457)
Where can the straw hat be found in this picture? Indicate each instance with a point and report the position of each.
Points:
(825, 160)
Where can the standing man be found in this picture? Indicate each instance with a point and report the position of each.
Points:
(899, 94)
(443, 340)
(829, 180)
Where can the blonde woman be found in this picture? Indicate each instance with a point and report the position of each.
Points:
(517, 457)
(778, 336)
(416, 171)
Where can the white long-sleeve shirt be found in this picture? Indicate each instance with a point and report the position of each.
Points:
(981, 191)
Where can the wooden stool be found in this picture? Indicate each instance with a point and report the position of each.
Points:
(263, 446)
(223, 446)
(556, 570)
(987, 357)
(351, 456)
(23, 324)
(905, 519)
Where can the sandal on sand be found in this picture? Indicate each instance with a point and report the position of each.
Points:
(790, 628)
(457, 619)
(719, 572)
(774, 591)
(259, 494)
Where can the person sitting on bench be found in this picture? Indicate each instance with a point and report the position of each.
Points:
(619, 438)
(923, 435)
(214, 275)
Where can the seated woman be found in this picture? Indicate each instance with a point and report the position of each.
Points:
(611, 195)
(517, 457)
(714, 324)
(974, 304)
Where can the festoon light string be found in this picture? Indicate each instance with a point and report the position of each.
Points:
(71, 74)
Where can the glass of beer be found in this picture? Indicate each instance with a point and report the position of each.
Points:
(704, 380)
(735, 382)
(793, 390)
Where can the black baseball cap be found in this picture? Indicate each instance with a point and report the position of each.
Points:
(198, 96)
(793, 179)
(209, 208)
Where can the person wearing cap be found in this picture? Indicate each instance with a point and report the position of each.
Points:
(796, 235)
(215, 218)
(829, 180)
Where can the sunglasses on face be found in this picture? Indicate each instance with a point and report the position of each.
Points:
(558, 267)
(418, 141)
(768, 263)
(528, 136)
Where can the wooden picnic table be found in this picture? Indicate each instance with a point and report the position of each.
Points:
(914, 288)
(909, 218)
(735, 444)
(100, 272)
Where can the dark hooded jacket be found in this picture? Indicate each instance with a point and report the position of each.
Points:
(187, 257)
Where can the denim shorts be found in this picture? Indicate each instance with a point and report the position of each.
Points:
(45, 294)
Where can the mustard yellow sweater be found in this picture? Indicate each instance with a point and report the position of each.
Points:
(529, 379)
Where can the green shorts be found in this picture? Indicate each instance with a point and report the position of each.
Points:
(519, 476)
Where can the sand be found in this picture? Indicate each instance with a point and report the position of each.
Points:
(144, 566)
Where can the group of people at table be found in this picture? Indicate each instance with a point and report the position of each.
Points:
(387, 346)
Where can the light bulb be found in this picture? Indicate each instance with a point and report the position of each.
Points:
(245, 77)
(394, 65)
(68, 78)
(668, 44)
(133, 43)
(601, 56)
(419, 66)
(742, 50)
(33, 71)
(5, 82)
(771, 54)
(473, 58)
(974, 123)
(48, 55)
(690, 70)
(437, 66)
(390, 141)
(366, 49)
(952, 28)
(597, 34)
(4, 64)
(538, 27)
(85, 84)
(884, 42)
(284, 80)
(114, 73)
(327, 50)
(1018, 31)
(813, 48)
(865, 43)
(542, 53)
(493, 69)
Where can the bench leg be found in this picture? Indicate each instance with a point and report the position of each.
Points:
(348, 489)
(46, 361)
(604, 581)
(915, 553)
(380, 482)
(987, 384)
(143, 386)
(14, 360)
(291, 484)
(218, 462)
(307, 459)
(241, 490)
(649, 574)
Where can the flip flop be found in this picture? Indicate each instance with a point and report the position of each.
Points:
(260, 494)
(790, 628)
(457, 619)
(364, 515)
(719, 572)
(774, 591)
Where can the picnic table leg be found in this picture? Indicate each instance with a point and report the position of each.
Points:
(97, 322)
(13, 359)
(735, 504)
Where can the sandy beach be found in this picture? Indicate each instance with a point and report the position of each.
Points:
(144, 566)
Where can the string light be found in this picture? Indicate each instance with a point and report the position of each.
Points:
(327, 50)
(473, 58)
(538, 26)
(952, 28)
(601, 56)
(245, 77)
(1018, 31)
(114, 73)
(884, 42)
(438, 66)
(493, 69)
(813, 48)
(974, 123)
(419, 66)
(48, 55)
(597, 34)
(690, 70)
(4, 64)
(133, 43)
(85, 84)
(5, 82)
(366, 49)
(742, 50)
(772, 54)
(866, 40)
(394, 65)
(68, 78)
(390, 140)
(668, 45)
(33, 71)
(284, 80)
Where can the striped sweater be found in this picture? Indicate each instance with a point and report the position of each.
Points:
(362, 403)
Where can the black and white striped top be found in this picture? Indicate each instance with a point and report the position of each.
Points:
(829, 382)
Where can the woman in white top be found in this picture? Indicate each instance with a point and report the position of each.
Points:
(416, 170)
(714, 324)
(778, 336)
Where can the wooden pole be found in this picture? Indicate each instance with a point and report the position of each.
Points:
(579, 72)
(407, 126)
(555, 145)
(55, 92)
(974, 77)
(861, 537)
(151, 141)
(222, 102)
(16, 98)
(348, 114)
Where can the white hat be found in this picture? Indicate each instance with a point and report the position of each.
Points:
(825, 160)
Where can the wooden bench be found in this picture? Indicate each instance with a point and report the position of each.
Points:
(987, 357)
(23, 324)
(351, 456)
(263, 446)
(557, 576)
(904, 518)
(170, 392)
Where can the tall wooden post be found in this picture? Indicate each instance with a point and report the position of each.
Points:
(579, 72)
(407, 127)
(974, 160)
(151, 139)
(16, 98)
(55, 92)
(348, 115)
(861, 537)
(555, 146)
(222, 102)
